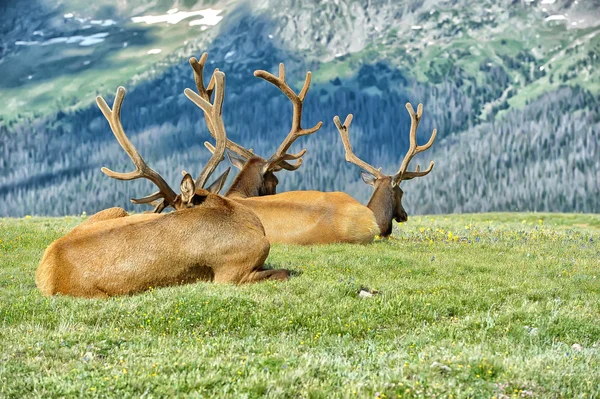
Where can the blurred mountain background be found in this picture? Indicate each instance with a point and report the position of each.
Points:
(513, 88)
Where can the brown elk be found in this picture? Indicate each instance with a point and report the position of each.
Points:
(386, 201)
(207, 237)
(257, 175)
(313, 217)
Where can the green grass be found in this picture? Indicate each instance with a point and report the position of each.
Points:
(470, 306)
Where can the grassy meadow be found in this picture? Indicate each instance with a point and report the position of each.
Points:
(491, 305)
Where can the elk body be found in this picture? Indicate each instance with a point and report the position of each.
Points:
(207, 237)
(294, 217)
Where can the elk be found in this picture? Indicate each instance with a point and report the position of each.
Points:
(386, 201)
(207, 237)
(313, 217)
(257, 175)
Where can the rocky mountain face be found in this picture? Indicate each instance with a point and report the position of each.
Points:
(512, 87)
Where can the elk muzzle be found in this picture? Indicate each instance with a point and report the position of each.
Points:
(402, 217)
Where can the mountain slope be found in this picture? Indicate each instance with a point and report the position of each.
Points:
(487, 72)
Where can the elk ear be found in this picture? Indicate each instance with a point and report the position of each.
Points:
(236, 160)
(368, 178)
(188, 189)
(217, 185)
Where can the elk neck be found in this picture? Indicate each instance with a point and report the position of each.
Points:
(382, 206)
(247, 183)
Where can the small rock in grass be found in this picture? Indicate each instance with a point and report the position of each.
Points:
(441, 367)
(577, 347)
(531, 330)
(366, 293)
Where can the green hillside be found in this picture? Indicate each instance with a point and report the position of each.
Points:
(43, 78)
(513, 89)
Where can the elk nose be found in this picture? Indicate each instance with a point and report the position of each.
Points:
(401, 218)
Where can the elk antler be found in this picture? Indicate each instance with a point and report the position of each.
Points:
(414, 149)
(281, 155)
(214, 118)
(350, 157)
(205, 93)
(113, 116)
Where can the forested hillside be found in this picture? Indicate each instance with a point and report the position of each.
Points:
(513, 92)
(543, 157)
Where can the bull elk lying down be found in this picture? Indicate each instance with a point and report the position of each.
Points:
(314, 217)
(207, 237)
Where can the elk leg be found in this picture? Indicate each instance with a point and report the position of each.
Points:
(265, 274)
(99, 293)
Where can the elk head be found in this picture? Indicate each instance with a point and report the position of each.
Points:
(192, 191)
(386, 201)
(257, 174)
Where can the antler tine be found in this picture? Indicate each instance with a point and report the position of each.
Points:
(212, 149)
(113, 116)
(214, 113)
(198, 67)
(306, 86)
(414, 149)
(148, 199)
(296, 130)
(417, 172)
(350, 157)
